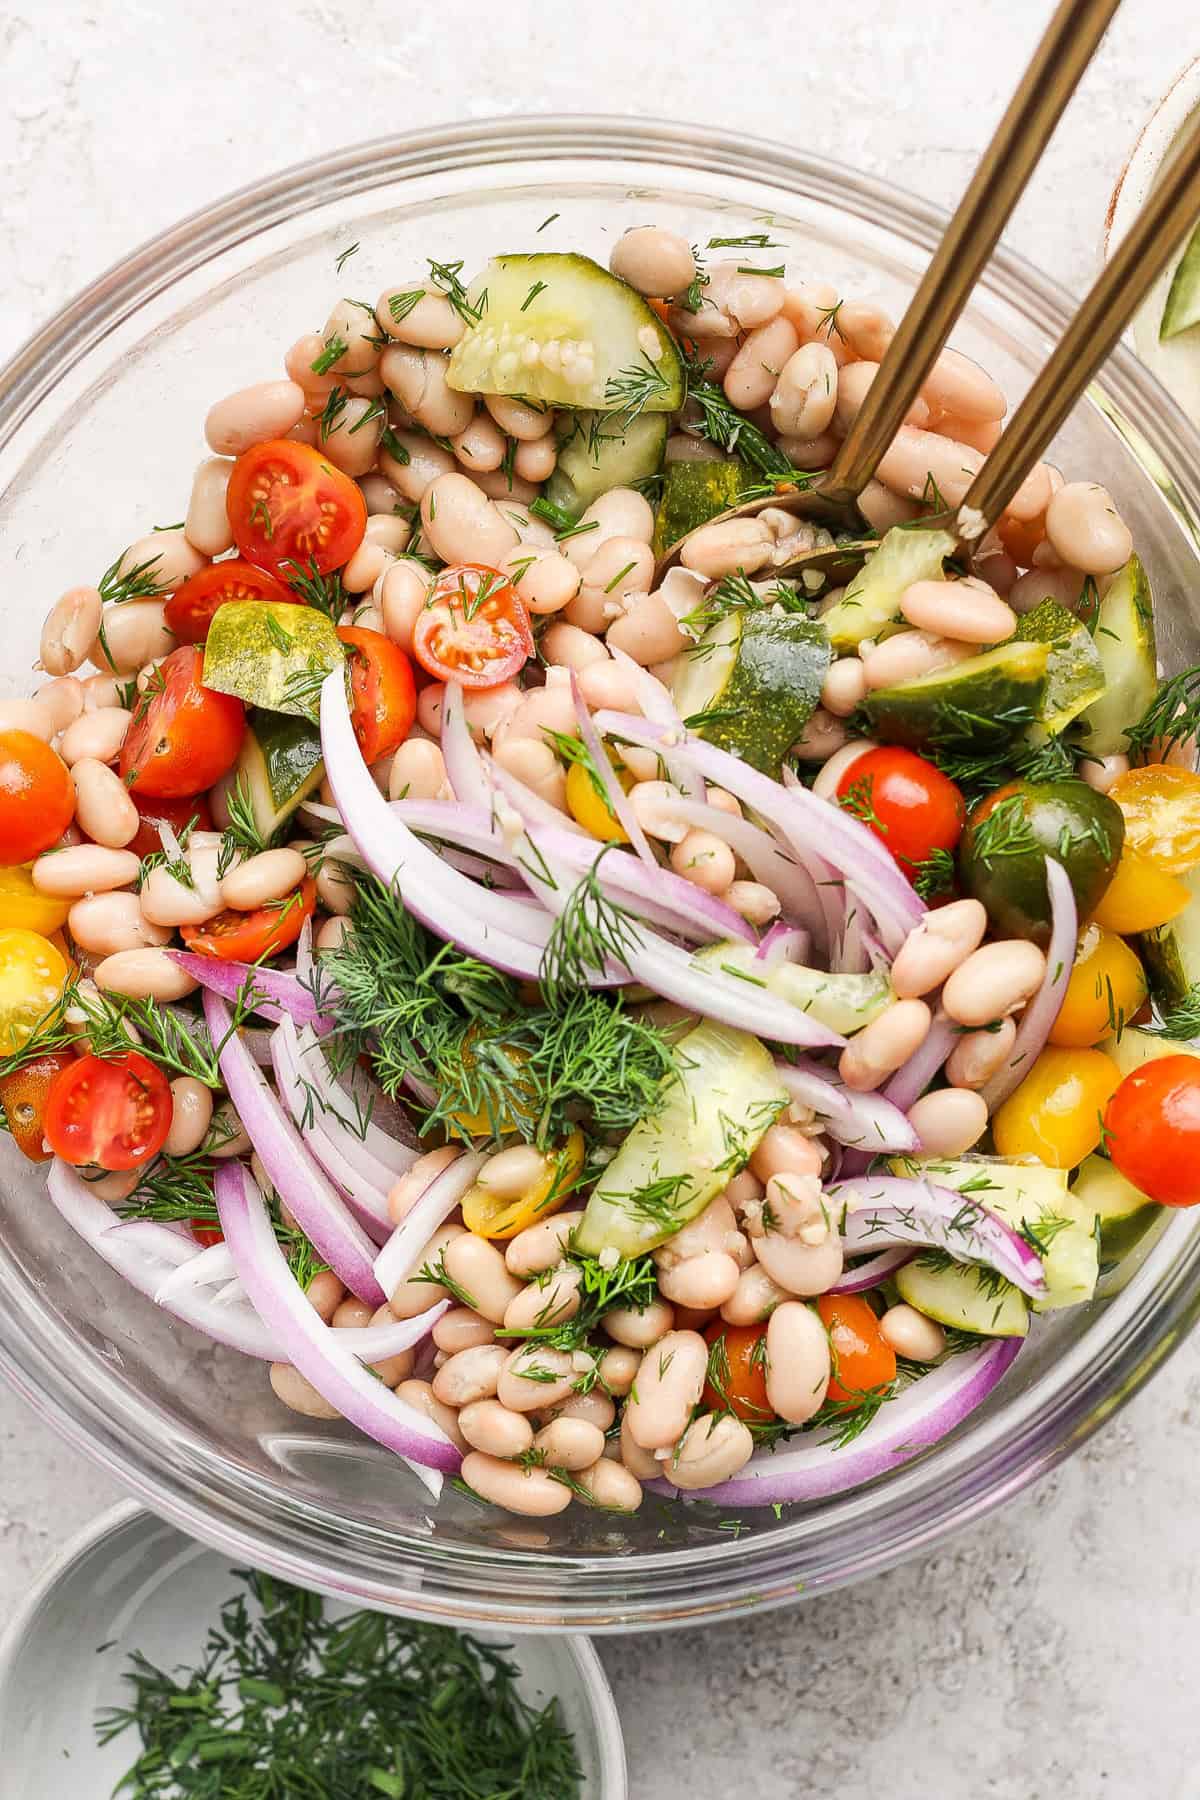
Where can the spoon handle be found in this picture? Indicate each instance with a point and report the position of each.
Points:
(1052, 76)
(1134, 267)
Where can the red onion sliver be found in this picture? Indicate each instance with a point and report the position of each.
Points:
(615, 795)
(882, 1211)
(365, 1196)
(775, 867)
(908, 1084)
(463, 766)
(283, 995)
(859, 1278)
(1043, 1009)
(400, 1256)
(658, 704)
(380, 1155)
(851, 1118)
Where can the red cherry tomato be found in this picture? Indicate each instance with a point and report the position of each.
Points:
(206, 1233)
(382, 690)
(189, 611)
(178, 814)
(249, 936)
(906, 802)
(1152, 1129)
(37, 797)
(472, 628)
(863, 1360)
(289, 509)
(737, 1372)
(114, 1111)
(184, 736)
(23, 1095)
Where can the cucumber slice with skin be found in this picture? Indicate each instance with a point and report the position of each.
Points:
(1074, 673)
(1171, 952)
(1124, 1212)
(872, 599)
(752, 683)
(1134, 1048)
(279, 765)
(963, 1296)
(272, 655)
(708, 1123)
(844, 1003)
(986, 700)
(559, 328)
(603, 451)
(1125, 644)
(1183, 300)
(692, 494)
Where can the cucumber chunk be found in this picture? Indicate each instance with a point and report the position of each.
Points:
(844, 1003)
(1124, 1213)
(692, 494)
(753, 682)
(603, 451)
(985, 701)
(1125, 644)
(963, 1296)
(557, 327)
(272, 655)
(1171, 952)
(872, 599)
(279, 765)
(1134, 1048)
(1183, 301)
(1074, 673)
(709, 1121)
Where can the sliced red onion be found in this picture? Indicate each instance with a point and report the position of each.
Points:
(377, 1152)
(283, 995)
(365, 1199)
(919, 1416)
(658, 704)
(209, 1265)
(783, 943)
(463, 766)
(859, 1277)
(307, 1193)
(312, 1346)
(1043, 1009)
(884, 1211)
(908, 1084)
(401, 1255)
(853, 1119)
(775, 867)
(616, 797)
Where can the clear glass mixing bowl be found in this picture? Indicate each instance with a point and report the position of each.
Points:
(100, 422)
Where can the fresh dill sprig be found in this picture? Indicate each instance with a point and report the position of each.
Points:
(590, 929)
(631, 390)
(140, 582)
(1181, 1022)
(345, 256)
(1172, 717)
(324, 592)
(335, 348)
(934, 875)
(736, 593)
(1006, 831)
(731, 431)
(446, 278)
(243, 833)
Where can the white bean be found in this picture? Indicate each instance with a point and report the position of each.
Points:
(536, 1376)
(463, 525)
(470, 1374)
(167, 901)
(519, 418)
(412, 1297)
(881, 508)
(993, 981)
(705, 859)
(805, 395)
(418, 772)
(749, 300)
(702, 1282)
(415, 463)
(546, 582)
(622, 512)
(911, 1334)
(418, 380)
(1086, 530)
(889, 1040)
(955, 384)
(908, 655)
(668, 1385)
(191, 1114)
(712, 1449)
(535, 462)
(551, 1300)
(820, 738)
(949, 1121)
(978, 1055)
(604, 681)
(130, 636)
(945, 937)
(565, 646)
(800, 1268)
(648, 631)
(481, 446)
(62, 699)
(570, 1444)
(99, 691)
(639, 1328)
(171, 557)
(351, 325)
(844, 687)
(430, 322)
(798, 1362)
(477, 1267)
(253, 415)
(610, 1486)
(490, 1427)
(103, 807)
(462, 1328)
(541, 1246)
(98, 735)
(351, 442)
(29, 716)
(654, 261)
(84, 869)
(206, 525)
(421, 1397)
(263, 878)
(755, 902)
(726, 546)
(530, 1491)
(914, 456)
(534, 763)
(968, 611)
(70, 630)
(106, 924)
(754, 1298)
(298, 1394)
(143, 975)
(751, 377)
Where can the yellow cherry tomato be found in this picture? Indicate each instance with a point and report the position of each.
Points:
(32, 976)
(589, 810)
(1140, 896)
(21, 904)
(492, 1216)
(1106, 988)
(1161, 805)
(505, 1061)
(1057, 1112)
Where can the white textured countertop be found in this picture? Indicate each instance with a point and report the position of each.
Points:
(1052, 1655)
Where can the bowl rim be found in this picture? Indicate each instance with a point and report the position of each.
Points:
(243, 1514)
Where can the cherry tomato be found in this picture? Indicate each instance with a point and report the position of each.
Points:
(472, 628)
(249, 936)
(737, 1372)
(113, 1111)
(1056, 1114)
(23, 1096)
(382, 691)
(906, 802)
(190, 609)
(178, 814)
(494, 1216)
(288, 505)
(206, 1233)
(33, 973)
(1140, 896)
(37, 797)
(1106, 988)
(588, 809)
(1152, 1129)
(863, 1360)
(183, 736)
(1161, 805)
(23, 905)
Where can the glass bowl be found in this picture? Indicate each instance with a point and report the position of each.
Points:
(100, 429)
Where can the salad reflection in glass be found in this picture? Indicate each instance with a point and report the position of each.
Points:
(584, 976)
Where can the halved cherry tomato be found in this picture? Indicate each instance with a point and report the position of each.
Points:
(26, 907)
(183, 736)
(178, 814)
(1140, 896)
(382, 691)
(206, 1233)
(1161, 806)
(494, 1216)
(288, 505)
(33, 973)
(737, 1372)
(113, 1111)
(1056, 1115)
(23, 1096)
(863, 1360)
(911, 806)
(249, 936)
(37, 798)
(472, 628)
(1106, 988)
(190, 609)
(1152, 1129)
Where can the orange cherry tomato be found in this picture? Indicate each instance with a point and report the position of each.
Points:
(382, 691)
(863, 1360)
(290, 509)
(250, 936)
(1152, 1129)
(189, 611)
(737, 1372)
(472, 628)
(23, 1096)
(1161, 805)
(178, 814)
(183, 736)
(112, 1111)
(910, 806)
(37, 797)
